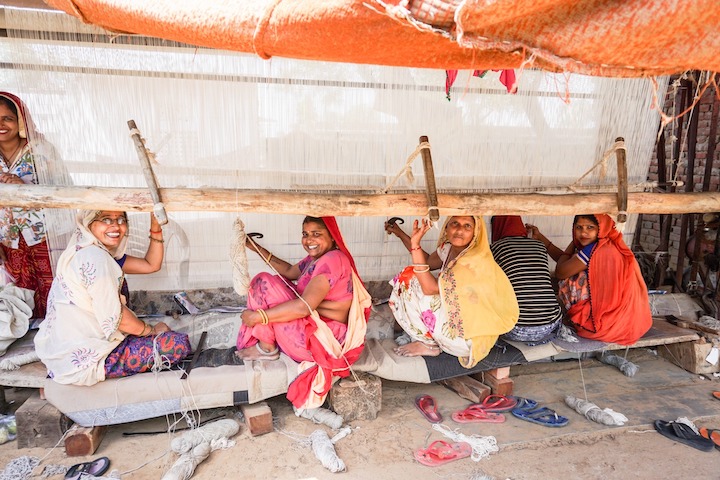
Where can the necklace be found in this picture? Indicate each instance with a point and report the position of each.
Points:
(12, 156)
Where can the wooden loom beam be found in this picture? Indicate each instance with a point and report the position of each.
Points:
(365, 205)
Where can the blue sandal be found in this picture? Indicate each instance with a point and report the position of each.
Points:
(524, 403)
(542, 416)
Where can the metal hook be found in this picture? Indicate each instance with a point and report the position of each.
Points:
(395, 219)
(255, 235)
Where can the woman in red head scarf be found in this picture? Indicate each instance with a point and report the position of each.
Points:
(314, 311)
(601, 284)
(26, 158)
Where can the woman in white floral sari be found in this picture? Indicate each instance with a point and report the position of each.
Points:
(462, 311)
(89, 334)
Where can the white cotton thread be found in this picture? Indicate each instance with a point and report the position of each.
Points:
(481, 446)
(238, 259)
(324, 450)
(595, 413)
(13, 363)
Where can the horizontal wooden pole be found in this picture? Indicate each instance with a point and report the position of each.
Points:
(362, 205)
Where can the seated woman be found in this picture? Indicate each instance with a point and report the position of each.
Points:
(465, 309)
(524, 260)
(601, 286)
(89, 334)
(320, 320)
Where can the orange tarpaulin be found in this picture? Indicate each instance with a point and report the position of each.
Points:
(622, 38)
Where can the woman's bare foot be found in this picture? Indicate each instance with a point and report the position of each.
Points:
(418, 349)
(256, 352)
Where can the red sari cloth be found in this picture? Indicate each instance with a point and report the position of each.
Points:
(618, 310)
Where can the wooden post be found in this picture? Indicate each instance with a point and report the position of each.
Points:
(467, 387)
(622, 193)
(83, 441)
(258, 418)
(158, 207)
(432, 198)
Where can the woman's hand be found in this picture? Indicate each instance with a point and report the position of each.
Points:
(419, 231)
(250, 318)
(10, 178)
(158, 328)
(534, 232)
(393, 228)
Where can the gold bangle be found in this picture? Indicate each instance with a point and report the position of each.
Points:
(270, 258)
(145, 325)
(264, 319)
(159, 240)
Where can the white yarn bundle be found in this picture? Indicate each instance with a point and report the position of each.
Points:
(238, 259)
(594, 413)
(195, 445)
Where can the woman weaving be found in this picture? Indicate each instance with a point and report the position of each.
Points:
(89, 334)
(320, 320)
(467, 307)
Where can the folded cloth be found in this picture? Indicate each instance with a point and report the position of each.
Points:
(16, 306)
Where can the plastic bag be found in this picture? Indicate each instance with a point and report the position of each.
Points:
(8, 428)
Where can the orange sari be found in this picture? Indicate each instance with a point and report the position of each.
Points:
(618, 310)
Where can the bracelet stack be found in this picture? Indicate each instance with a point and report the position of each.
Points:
(158, 240)
(421, 267)
(264, 320)
(416, 248)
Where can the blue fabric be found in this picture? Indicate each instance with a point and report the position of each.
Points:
(585, 253)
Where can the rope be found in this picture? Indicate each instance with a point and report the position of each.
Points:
(321, 415)
(407, 169)
(481, 446)
(619, 145)
(238, 258)
(594, 413)
(19, 468)
(13, 363)
(324, 450)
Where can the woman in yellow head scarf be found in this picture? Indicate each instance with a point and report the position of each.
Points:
(462, 311)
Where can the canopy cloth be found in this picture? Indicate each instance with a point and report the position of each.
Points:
(628, 38)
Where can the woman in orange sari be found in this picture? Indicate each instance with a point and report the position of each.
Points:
(600, 282)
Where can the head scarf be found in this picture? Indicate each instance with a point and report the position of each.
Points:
(26, 125)
(507, 226)
(477, 295)
(618, 310)
(82, 237)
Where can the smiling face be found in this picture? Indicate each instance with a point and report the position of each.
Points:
(316, 239)
(110, 228)
(9, 125)
(459, 231)
(585, 231)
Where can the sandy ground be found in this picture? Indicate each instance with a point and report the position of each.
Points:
(383, 448)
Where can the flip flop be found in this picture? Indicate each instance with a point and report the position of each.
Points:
(542, 416)
(716, 395)
(476, 414)
(95, 468)
(684, 434)
(427, 406)
(524, 403)
(498, 403)
(712, 435)
(441, 452)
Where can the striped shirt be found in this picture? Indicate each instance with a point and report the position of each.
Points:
(525, 262)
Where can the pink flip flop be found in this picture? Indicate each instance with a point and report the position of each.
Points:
(476, 414)
(498, 403)
(441, 452)
(427, 406)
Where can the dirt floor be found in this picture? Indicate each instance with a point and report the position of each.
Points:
(383, 448)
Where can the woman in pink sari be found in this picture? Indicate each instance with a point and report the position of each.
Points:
(319, 321)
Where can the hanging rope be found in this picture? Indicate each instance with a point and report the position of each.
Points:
(407, 168)
(238, 259)
(602, 163)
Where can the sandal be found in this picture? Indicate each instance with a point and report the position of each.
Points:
(498, 403)
(684, 434)
(95, 469)
(524, 403)
(427, 406)
(476, 414)
(440, 452)
(542, 416)
(712, 435)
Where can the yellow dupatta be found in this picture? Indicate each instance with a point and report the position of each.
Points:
(477, 295)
